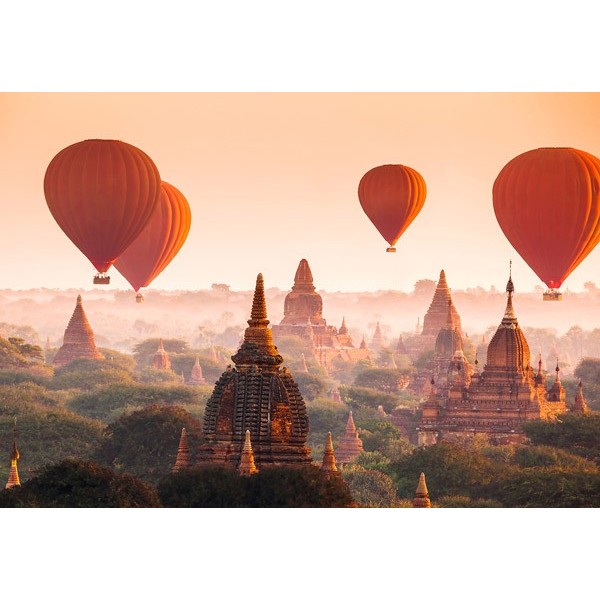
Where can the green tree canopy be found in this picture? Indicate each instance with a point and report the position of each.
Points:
(370, 488)
(86, 374)
(17, 353)
(388, 381)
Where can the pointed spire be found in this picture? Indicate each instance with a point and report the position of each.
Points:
(247, 466)
(328, 456)
(196, 376)
(335, 394)
(13, 474)
(350, 426)
(161, 359)
(303, 279)
(557, 379)
(183, 453)
(509, 314)
(421, 499)
(363, 344)
(343, 330)
(580, 404)
(48, 346)
(450, 317)
(418, 327)
(213, 352)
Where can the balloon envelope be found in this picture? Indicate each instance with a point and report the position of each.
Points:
(101, 193)
(392, 196)
(547, 203)
(160, 240)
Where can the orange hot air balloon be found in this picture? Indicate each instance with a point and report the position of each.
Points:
(159, 242)
(547, 202)
(101, 193)
(392, 196)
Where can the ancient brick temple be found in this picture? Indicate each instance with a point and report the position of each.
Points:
(434, 320)
(497, 401)
(182, 461)
(303, 317)
(161, 359)
(197, 377)
(78, 341)
(350, 445)
(257, 395)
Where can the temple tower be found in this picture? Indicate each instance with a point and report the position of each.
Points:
(247, 465)
(259, 396)
(421, 499)
(13, 474)
(183, 453)
(161, 359)
(378, 341)
(328, 456)
(436, 315)
(303, 304)
(303, 367)
(78, 341)
(335, 395)
(580, 405)
(197, 377)
(350, 445)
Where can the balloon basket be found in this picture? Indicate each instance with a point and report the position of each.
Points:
(101, 279)
(391, 249)
(552, 296)
(139, 298)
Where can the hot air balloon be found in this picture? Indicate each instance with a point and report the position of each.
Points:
(392, 196)
(101, 193)
(159, 242)
(548, 206)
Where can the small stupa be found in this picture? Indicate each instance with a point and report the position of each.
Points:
(197, 377)
(378, 341)
(78, 341)
(303, 367)
(421, 499)
(328, 456)
(161, 359)
(580, 405)
(247, 466)
(183, 453)
(335, 394)
(350, 445)
(13, 474)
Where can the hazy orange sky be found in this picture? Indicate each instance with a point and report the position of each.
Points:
(272, 178)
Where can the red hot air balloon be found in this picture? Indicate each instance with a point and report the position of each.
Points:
(392, 196)
(159, 242)
(547, 202)
(101, 193)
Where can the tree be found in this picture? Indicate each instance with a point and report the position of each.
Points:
(144, 443)
(370, 488)
(16, 353)
(152, 375)
(81, 484)
(86, 374)
(212, 486)
(145, 350)
(388, 381)
(425, 287)
(367, 397)
(310, 386)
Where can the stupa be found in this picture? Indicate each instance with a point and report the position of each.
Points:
(328, 464)
(161, 359)
(196, 376)
(257, 395)
(497, 401)
(350, 445)
(78, 341)
(183, 453)
(247, 465)
(378, 341)
(13, 474)
(580, 405)
(421, 499)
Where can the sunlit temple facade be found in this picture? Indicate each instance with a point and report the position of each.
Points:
(499, 399)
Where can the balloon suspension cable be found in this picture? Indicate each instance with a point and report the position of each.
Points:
(391, 249)
(101, 279)
(139, 298)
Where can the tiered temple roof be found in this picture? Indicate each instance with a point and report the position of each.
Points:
(161, 359)
(436, 315)
(183, 453)
(350, 445)
(78, 341)
(257, 395)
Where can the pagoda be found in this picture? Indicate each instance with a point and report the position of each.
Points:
(183, 453)
(196, 376)
(350, 445)
(378, 341)
(161, 359)
(78, 341)
(498, 400)
(421, 499)
(247, 465)
(256, 395)
(13, 474)
(328, 464)
(303, 318)
(580, 405)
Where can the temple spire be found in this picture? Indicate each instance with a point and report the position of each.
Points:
(421, 499)
(509, 313)
(343, 329)
(247, 465)
(350, 445)
(328, 456)
(363, 344)
(197, 376)
(303, 279)
(580, 404)
(557, 379)
(183, 453)
(13, 474)
(303, 366)
(161, 359)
